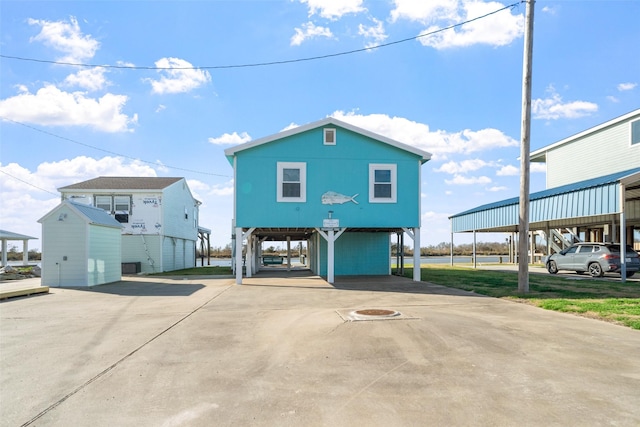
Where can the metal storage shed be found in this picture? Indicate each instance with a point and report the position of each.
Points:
(81, 246)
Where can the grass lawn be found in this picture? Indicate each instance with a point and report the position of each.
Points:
(197, 271)
(599, 299)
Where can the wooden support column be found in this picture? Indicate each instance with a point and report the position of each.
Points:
(415, 235)
(238, 255)
(288, 253)
(330, 236)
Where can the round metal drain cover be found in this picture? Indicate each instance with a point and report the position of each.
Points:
(376, 312)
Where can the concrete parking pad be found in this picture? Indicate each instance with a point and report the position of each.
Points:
(276, 351)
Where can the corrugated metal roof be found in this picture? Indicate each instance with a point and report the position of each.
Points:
(94, 215)
(123, 183)
(8, 235)
(582, 185)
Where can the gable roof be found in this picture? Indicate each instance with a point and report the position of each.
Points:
(540, 155)
(8, 235)
(230, 152)
(90, 214)
(123, 183)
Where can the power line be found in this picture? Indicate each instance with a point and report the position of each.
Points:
(28, 183)
(264, 64)
(111, 152)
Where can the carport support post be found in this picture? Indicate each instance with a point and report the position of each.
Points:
(475, 255)
(25, 252)
(238, 255)
(623, 237)
(288, 253)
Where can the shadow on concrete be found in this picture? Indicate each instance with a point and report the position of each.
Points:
(396, 284)
(156, 289)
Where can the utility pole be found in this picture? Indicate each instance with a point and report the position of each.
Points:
(525, 134)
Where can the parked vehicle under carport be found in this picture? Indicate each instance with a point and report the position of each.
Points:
(594, 258)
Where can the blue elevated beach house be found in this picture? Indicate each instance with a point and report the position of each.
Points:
(342, 189)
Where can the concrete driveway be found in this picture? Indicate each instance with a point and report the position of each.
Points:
(281, 351)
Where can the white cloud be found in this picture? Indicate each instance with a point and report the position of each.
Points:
(464, 180)
(463, 166)
(424, 11)
(553, 107)
(23, 204)
(231, 138)
(66, 37)
(161, 107)
(374, 32)
(308, 31)
(499, 29)
(438, 143)
(627, 86)
(537, 167)
(178, 77)
(50, 106)
(332, 9)
(508, 170)
(613, 99)
(496, 30)
(550, 10)
(496, 188)
(91, 79)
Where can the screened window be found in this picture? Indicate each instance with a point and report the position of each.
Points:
(104, 202)
(382, 183)
(635, 132)
(292, 182)
(329, 136)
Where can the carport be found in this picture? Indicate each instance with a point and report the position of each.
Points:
(606, 208)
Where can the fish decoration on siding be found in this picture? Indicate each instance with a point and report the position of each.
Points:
(333, 198)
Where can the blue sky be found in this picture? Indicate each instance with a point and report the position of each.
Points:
(456, 94)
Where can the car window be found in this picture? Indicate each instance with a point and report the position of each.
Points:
(571, 250)
(597, 249)
(586, 248)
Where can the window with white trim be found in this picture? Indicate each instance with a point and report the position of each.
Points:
(292, 182)
(122, 208)
(635, 132)
(382, 183)
(117, 206)
(329, 136)
(103, 202)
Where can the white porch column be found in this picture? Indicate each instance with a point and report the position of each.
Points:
(414, 233)
(416, 254)
(288, 253)
(330, 236)
(532, 247)
(238, 255)
(249, 255)
(25, 252)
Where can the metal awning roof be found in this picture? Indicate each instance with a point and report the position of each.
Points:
(593, 198)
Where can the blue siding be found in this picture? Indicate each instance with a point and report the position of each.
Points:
(358, 254)
(343, 168)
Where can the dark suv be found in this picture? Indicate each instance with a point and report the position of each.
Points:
(595, 258)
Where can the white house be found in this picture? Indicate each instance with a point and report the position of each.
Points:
(159, 218)
(80, 246)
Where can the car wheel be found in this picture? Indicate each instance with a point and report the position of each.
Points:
(630, 273)
(595, 270)
(552, 267)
